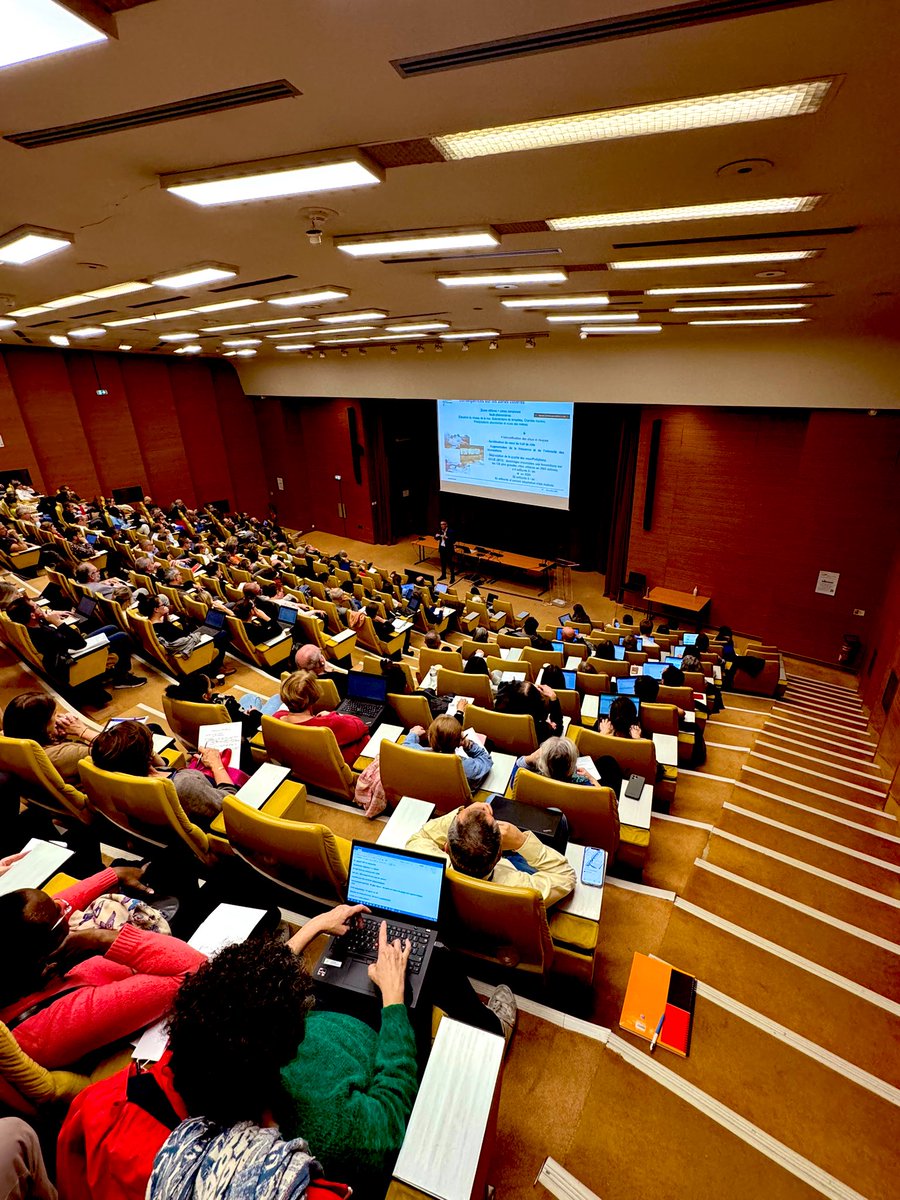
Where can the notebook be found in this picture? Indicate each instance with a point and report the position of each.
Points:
(366, 697)
(397, 886)
(658, 991)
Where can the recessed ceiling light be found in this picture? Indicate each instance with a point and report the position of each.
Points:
(245, 353)
(725, 308)
(188, 349)
(238, 342)
(87, 331)
(366, 314)
(67, 301)
(57, 339)
(503, 278)
(555, 301)
(421, 327)
(205, 272)
(124, 346)
(688, 212)
(581, 318)
(307, 333)
(301, 346)
(36, 28)
(269, 179)
(720, 288)
(417, 241)
(6, 323)
(182, 336)
(27, 243)
(598, 330)
(460, 335)
(669, 116)
(319, 295)
(28, 312)
(255, 324)
(756, 321)
(711, 260)
(117, 289)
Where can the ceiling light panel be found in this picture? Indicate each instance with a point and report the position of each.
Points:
(711, 260)
(195, 276)
(688, 212)
(728, 308)
(503, 278)
(35, 28)
(363, 314)
(582, 318)
(417, 241)
(238, 343)
(461, 334)
(255, 324)
(182, 336)
(422, 327)
(6, 323)
(307, 333)
(306, 346)
(600, 330)
(87, 331)
(27, 243)
(722, 288)
(670, 116)
(193, 349)
(756, 321)
(319, 295)
(555, 301)
(58, 339)
(269, 180)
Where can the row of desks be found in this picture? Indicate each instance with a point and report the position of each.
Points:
(489, 559)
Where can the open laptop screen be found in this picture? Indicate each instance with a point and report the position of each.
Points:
(654, 669)
(689, 639)
(215, 619)
(396, 881)
(363, 686)
(86, 606)
(606, 701)
(625, 686)
(286, 614)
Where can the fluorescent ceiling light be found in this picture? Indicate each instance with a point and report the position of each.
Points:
(720, 288)
(307, 333)
(756, 321)
(188, 349)
(238, 342)
(687, 212)
(396, 337)
(36, 28)
(245, 353)
(306, 346)
(503, 278)
(177, 314)
(417, 241)
(668, 116)
(6, 323)
(58, 339)
(255, 324)
(27, 243)
(87, 331)
(28, 312)
(597, 330)
(316, 296)
(206, 272)
(423, 327)
(115, 289)
(182, 336)
(269, 179)
(367, 314)
(118, 289)
(711, 260)
(124, 346)
(67, 301)
(465, 334)
(555, 301)
(581, 318)
(725, 308)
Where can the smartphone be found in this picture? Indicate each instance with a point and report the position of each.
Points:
(635, 787)
(593, 866)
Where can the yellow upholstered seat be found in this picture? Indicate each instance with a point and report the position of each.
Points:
(438, 778)
(458, 683)
(268, 655)
(513, 733)
(592, 813)
(451, 659)
(312, 753)
(410, 710)
(184, 717)
(40, 781)
(175, 664)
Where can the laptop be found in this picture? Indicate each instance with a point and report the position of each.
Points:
(559, 647)
(214, 621)
(400, 887)
(625, 685)
(654, 669)
(91, 539)
(619, 652)
(287, 616)
(674, 662)
(569, 677)
(441, 588)
(366, 697)
(689, 639)
(606, 701)
(84, 609)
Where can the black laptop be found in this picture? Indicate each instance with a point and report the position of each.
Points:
(366, 697)
(606, 701)
(214, 621)
(84, 609)
(287, 616)
(400, 887)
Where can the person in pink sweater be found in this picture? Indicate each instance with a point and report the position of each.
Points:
(65, 994)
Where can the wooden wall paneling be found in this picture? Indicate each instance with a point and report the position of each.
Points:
(155, 419)
(326, 430)
(106, 420)
(44, 393)
(198, 417)
(17, 450)
(241, 439)
(281, 460)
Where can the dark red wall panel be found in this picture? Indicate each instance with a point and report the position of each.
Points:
(152, 408)
(106, 421)
(198, 416)
(241, 440)
(17, 451)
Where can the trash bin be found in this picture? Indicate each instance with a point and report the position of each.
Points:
(850, 649)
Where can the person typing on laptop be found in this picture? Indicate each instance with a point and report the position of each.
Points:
(54, 637)
(299, 694)
(478, 845)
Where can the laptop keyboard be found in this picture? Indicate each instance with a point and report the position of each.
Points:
(362, 942)
(370, 709)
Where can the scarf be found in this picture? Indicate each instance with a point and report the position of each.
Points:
(201, 1161)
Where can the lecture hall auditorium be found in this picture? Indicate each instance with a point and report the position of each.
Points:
(246, 250)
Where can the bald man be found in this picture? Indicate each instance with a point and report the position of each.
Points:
(311, 658)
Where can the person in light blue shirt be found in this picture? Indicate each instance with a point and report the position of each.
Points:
(443, 736)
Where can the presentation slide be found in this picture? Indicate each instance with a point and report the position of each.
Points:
(516, 450)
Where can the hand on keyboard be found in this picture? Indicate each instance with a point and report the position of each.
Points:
(388, 972)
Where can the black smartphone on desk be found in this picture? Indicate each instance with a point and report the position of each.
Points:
(634, 789)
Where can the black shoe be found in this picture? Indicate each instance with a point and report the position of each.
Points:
(442, 576)
(128, 681)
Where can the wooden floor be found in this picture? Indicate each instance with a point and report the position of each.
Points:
(775, 879)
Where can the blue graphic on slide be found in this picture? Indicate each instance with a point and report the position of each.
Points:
(518, 447)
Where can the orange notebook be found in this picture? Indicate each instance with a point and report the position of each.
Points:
(658, 990)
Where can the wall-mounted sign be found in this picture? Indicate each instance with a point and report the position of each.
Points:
(826, 584)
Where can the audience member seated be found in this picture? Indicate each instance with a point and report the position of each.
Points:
(690, 662)
(672, 676)
(646, 688)
(127, 748)
(299, 693)
(444, 736)
(530, 629)
(538, 701)
(64, 737)
(171, 629)
(67, 993)
(646, 627)
(603, 651)
(53, 639)
(622, 720)
(579, 616)
(88, 575)
(258, 626)
(571, 636)
(477, 844)
(557, 758)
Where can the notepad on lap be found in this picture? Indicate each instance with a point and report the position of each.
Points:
(657, 989)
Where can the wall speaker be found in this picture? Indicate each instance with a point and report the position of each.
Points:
(652, 462)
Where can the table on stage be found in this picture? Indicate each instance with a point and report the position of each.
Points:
(487, 559)
(681, 603)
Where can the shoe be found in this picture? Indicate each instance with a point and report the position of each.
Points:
(442, 576)
(228, 670)
(128, 681)
(503, 1005)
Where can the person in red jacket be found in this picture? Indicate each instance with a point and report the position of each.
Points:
(65, 994)
(299, 693)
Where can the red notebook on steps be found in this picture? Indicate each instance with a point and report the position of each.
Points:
(656, 989)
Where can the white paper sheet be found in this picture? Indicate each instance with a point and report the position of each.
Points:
(383, 733)
(261, 785)
(41, 863)
(226, 736)
(407, 818)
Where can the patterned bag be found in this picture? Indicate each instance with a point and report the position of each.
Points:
(114, 910)
(369, 793)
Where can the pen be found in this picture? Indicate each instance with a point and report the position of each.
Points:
(657, 1031)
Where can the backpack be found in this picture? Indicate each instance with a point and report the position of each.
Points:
(369, 793)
